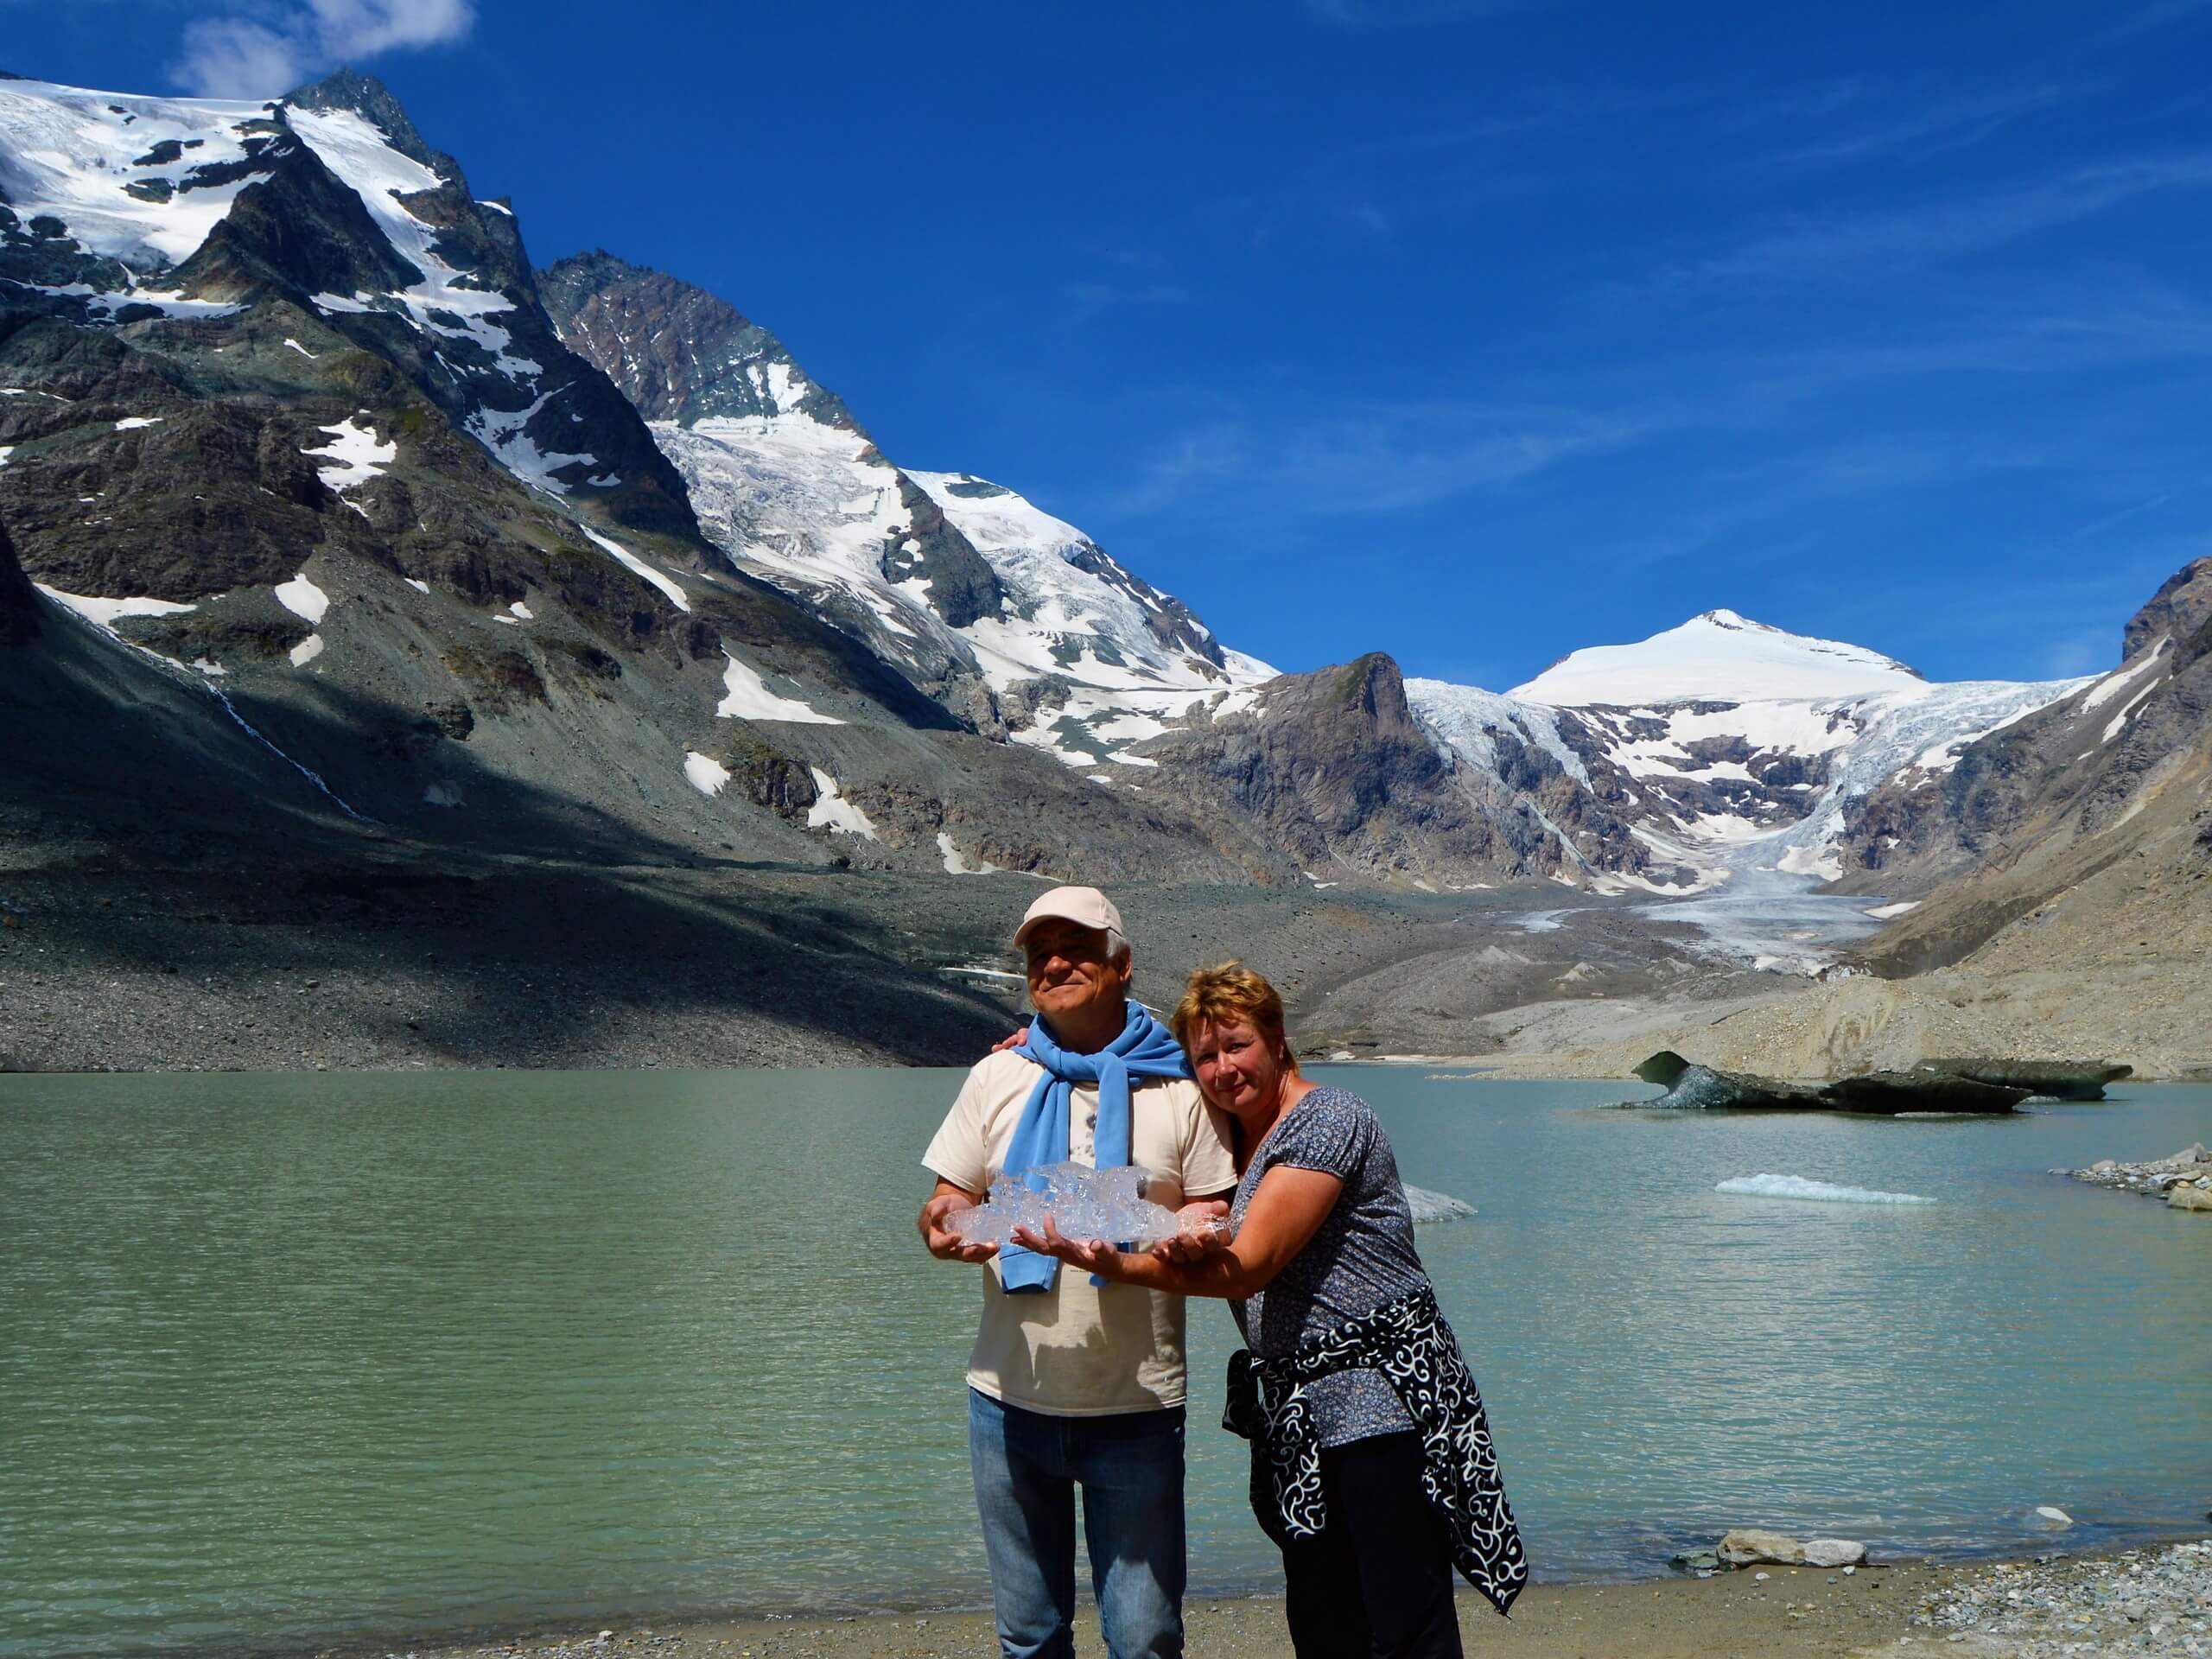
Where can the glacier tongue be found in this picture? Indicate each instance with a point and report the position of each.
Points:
(1762, 908)
(1739, 753)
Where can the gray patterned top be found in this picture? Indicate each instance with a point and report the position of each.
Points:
(1362, 1257)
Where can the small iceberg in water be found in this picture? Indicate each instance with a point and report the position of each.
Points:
(1797, 1186)
(1435, 1206)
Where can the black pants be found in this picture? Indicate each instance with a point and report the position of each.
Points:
(1378, 1579)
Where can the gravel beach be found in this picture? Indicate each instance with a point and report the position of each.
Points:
(2154, 1602)
(193, 953)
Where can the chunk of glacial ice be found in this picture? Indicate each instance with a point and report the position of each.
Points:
(1435, 1207)
(1084, 1203)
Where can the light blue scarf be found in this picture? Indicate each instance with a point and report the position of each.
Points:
(1144, 1049)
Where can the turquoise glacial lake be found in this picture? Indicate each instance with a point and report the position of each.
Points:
(297, 1360)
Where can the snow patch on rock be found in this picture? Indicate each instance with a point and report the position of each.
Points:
(832, 811)
(706, 774)
(747, 696)
(304, 599)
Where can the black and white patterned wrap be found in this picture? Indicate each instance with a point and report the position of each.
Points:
(1409, 1342)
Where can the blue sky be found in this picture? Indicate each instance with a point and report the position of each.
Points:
(1469, 330)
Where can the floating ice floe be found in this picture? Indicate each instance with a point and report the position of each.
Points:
(1798, 1186)
(1435, 1207)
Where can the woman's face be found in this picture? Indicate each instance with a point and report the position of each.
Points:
(1236, 1067)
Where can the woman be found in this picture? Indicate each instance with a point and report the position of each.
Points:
(1372, 1468)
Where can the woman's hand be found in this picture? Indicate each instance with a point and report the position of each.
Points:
(1203, 1231)
(1091, 1255)
(1015, 1041)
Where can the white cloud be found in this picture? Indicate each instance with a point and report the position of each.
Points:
(267, 51)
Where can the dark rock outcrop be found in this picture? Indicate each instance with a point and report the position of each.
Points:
(766, 775)
(2055, 1079)
(1890, 1092)
(2178, 611)
(295, 228)
(2049, 800)
(963, 586)
(677, 353)
(1701, 1088)
(19, 618)
(1334, 769)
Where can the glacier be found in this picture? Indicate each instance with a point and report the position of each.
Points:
(1659, 727)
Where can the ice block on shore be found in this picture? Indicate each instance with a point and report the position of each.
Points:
(1083, 1203)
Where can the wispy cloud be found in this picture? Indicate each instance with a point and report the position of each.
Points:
(262, 51)
(1872, 134)
(1398, 14)
(2159, 14)
(1090, 297)
(1366, 458)
(1824, 247)
(1540, 111)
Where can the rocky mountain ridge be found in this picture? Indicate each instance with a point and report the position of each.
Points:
(1015, 620)
(339, 506)
(2114, 774)
(1718, 732)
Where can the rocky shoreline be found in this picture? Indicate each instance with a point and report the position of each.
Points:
(2182, 1181)
(2153, 1601)
(2140, 1601)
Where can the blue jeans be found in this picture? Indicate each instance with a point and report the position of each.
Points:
(1130, 1467)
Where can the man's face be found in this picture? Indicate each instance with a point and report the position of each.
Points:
(1070, 971)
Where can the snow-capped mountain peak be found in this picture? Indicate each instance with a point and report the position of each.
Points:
(1717, 657)
(116, 208)
(1006, 613)
(1726, 743)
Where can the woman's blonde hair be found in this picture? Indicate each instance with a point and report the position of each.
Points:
(1226, 992)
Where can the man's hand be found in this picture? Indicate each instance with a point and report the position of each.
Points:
(1015, 1041)
(1203, 1231)
(950, 1247)
(1091, 1255)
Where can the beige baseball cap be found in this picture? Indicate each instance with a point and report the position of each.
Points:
(1084, 906)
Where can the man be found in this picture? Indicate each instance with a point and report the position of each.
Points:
(1072, 1383)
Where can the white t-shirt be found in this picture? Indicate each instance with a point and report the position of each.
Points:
(1080, 1349)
